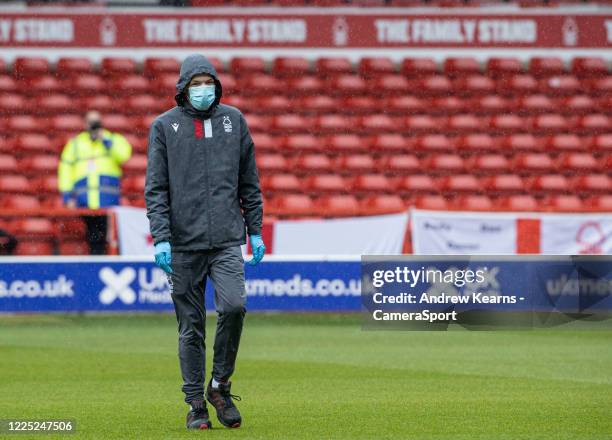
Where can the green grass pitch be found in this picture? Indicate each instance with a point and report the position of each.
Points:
(311, 377)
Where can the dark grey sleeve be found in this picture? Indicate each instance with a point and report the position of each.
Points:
(249, 190)
(156, 186)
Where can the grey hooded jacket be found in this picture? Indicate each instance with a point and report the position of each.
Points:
(202, 186)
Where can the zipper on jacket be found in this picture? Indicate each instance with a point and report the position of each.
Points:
(208, 191)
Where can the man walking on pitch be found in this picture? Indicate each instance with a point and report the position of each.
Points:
(202, 194)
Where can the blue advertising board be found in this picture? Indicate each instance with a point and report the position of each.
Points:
(122, 284)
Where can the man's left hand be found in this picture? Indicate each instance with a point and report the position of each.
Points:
(258, 248)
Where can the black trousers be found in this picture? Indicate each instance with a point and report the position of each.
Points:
(188, 283)
(96, 233)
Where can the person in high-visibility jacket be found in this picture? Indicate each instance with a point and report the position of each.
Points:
(89, 174)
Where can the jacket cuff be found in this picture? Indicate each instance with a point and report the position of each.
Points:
(254, 230)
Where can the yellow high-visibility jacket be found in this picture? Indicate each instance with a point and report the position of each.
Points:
(89, 171)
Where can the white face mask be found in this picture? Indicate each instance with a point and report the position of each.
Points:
(202, 97)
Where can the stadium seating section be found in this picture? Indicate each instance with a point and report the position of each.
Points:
(335, 138)
(381, 3)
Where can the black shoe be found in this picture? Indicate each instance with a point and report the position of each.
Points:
(221, 399)
(197, 417)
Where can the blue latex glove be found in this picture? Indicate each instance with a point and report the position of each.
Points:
(163, 256)
(258, 248)
(107, 143)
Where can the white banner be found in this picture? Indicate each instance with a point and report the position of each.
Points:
(133, 231)
(445, 233)
(568, 234)
(382, 234)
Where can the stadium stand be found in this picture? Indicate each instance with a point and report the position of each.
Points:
(503, 135)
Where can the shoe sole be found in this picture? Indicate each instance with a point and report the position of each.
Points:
(201, 427)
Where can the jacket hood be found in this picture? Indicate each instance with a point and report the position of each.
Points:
(193, 65)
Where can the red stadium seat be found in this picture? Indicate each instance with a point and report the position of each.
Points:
(23, 123)
(564, 142)
(402, 105)
(130, 84)
(265, 143)
(519, 202)
(592, 184)
(312, 163)
(137, 164)
(463, 66)
(261, 85)
(21, 202)
(35, 143)
(133, 184)
(46, 184)
(576, 104)
(30, 66)
(276, 104)
(505, 124)
(601, 203)
(355, 163)
(12, 104)
(531, 163)
(282, 183)
(328, 66)
(435, 85)
(379, 123)
(374, 66)
(392, 84)
(290, 66)
(73, 247)
(70, 67)
(229, 83)
(319, 104)
(101, 103)
(88, 85)
(434, 143)
(347, 85)
(372, 183)
(362, 105)
(247, 65)
(459, 183)
(550, 123)
(564, 203)
(589, 67)
(8, 164)
(34, 227)
(536, 104)
(306, 85)
(417, 67)
(546, 66)
(434, 202)
(447, 105)
(396, 164)
(39, 85)
(40, 164)
(7, 84)
(497, 67)
(594, 124)
(154, 67)
(522, 142)
(517, 85)
(560, 85)
(346, 143)
(34, 247)
(602, 86)
(333, 124)
(271, 163)
(292, 205)
(418, 183)
(470, 202)
(577, 163)
(420, 124)
(117, 66)
(68, 124)
(291, 123)
(55, 104)
(503, 183)
(392, 143)
(474, 85)
(465, 123)
(257, 124)
(299, 143)
(444, 163)
(492, 104)
(488, 163)
(337, 206)
(549, 183)
(602, 142)
(381, 204)
(477, 142)
(326, 183)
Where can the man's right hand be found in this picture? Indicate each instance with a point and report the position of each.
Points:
(163, 256)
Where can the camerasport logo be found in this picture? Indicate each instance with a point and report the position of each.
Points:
(132, 286)
(57, 288)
